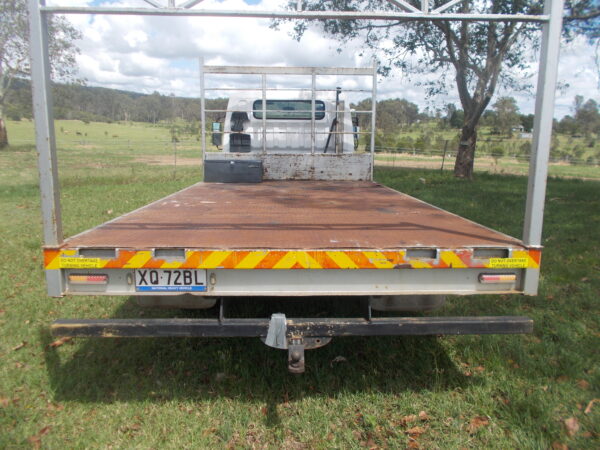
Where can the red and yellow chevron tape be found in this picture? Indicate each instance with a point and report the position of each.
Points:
(292, 259)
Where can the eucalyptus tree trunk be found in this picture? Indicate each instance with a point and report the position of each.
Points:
(465, 156)
(3, 132)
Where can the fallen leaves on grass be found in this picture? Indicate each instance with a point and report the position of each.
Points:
(583, 384)
(55, 407)
(415, 432)
(130, 429)
(4, 402)
(476, 423)
(20, 346)
(572, 426)
(36, 439)
(559, 446)
(59, 342)
(590, 405)
(407, 419)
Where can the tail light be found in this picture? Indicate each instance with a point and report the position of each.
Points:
(497, 278)
(88, 278)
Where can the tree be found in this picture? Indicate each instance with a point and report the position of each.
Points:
(507, 114)
(14, 50)
(582, 18)
(587, 115)
(527, 122)
(481, 55)
(391, 114)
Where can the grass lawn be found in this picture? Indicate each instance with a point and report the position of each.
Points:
(529, 391)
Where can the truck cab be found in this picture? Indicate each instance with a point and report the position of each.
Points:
(286, 127)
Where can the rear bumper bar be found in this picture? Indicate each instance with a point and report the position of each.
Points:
(320, 327)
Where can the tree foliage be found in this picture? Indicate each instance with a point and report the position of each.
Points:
(586, 118)
(473, 57)
(507, 115)
(14, 50)
(392, 114)
(582, 17)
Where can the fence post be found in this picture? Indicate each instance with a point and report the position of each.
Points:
(444, 157)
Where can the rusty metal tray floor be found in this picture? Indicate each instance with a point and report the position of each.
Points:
(290, 215)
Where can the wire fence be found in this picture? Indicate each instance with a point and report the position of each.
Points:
(187, 148)
(382, 152)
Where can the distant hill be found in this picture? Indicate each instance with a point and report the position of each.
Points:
(72, 101)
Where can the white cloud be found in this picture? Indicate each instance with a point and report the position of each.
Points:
(147, 53)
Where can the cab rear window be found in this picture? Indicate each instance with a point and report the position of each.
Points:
(289, 109)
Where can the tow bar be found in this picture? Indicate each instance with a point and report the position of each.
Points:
(294, 335)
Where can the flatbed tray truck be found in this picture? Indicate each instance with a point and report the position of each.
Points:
(316, 225)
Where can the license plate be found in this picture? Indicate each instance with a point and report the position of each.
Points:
(170, 280)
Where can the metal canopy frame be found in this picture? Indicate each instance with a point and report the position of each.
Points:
(551, 21)
(313, 73)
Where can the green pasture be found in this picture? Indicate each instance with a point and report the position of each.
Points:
(487, 164)
(125, 145)
(524, 391)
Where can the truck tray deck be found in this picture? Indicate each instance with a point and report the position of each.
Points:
(290, 215)
(338, 225)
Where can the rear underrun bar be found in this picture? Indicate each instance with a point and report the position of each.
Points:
(320, 327)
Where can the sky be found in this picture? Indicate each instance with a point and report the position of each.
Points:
(151, 53)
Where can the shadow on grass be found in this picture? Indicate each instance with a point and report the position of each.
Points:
(164, 369)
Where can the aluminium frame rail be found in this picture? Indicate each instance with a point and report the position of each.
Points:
(550, 20)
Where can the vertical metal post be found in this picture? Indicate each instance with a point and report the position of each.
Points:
(313, 107)
(373, 114)
(338, 90)
(444, 157)
(264, 112)
(44, 137)
(202, 110)
(542, 134)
